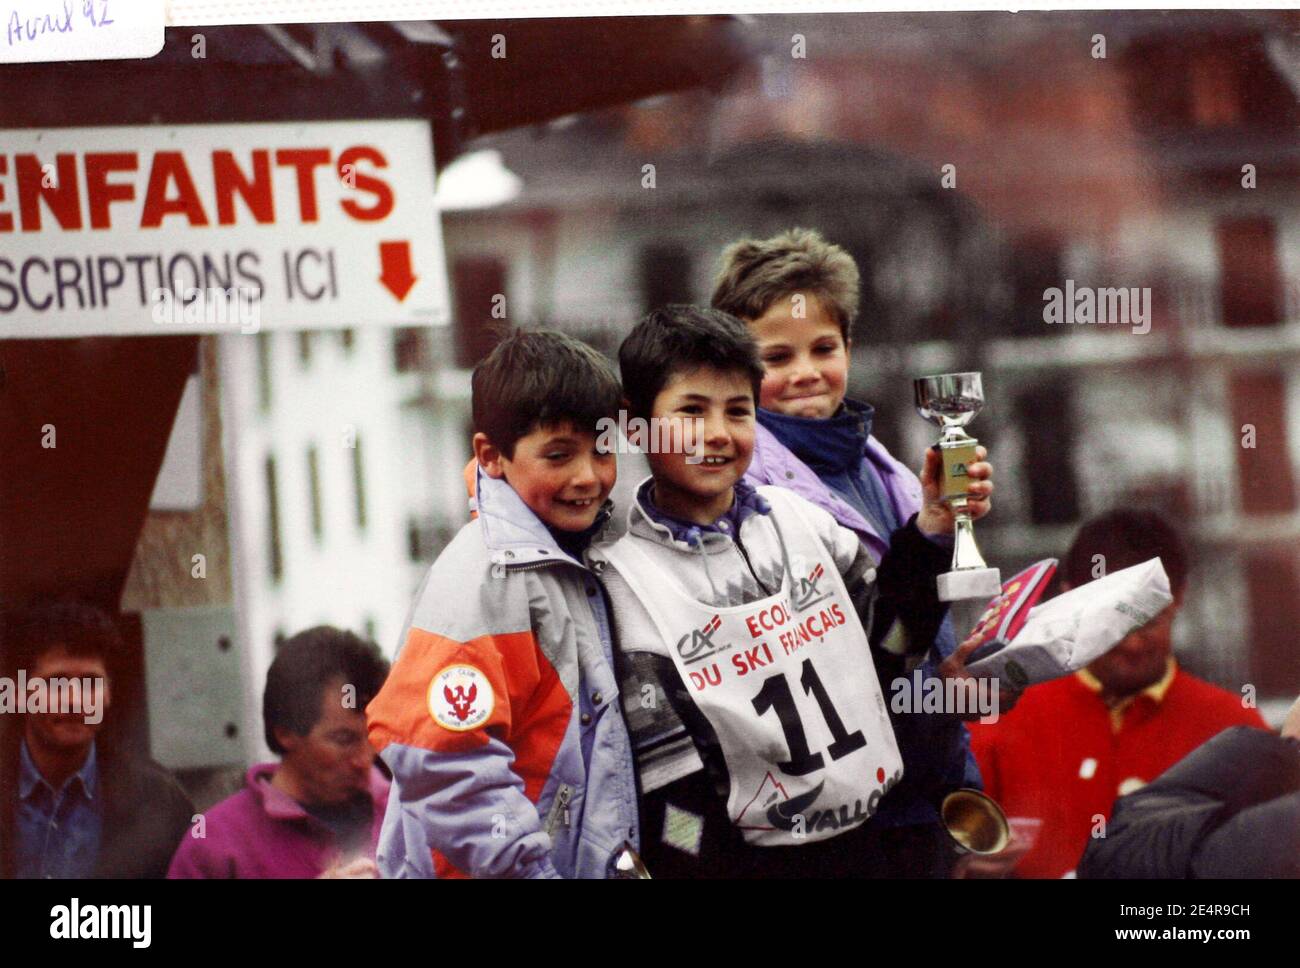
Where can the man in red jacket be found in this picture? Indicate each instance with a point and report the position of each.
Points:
(1072, 745)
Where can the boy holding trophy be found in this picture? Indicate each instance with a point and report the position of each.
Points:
(799, 296)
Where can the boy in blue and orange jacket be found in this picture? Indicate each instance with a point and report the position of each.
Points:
(501, 720)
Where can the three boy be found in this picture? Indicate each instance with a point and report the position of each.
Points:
(507, 757)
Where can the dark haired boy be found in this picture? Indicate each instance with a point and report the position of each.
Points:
(73, 803)
(500, 722)
(762, 736)
(317, 812)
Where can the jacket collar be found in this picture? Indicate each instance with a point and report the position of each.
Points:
(280, 806)
(514, 535)
(745, 503)
(829, 445)
(29, 777)
(647, 521)
(773, 463)
(1155, 692)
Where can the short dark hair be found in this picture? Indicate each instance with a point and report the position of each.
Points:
(82, 629)
(1124, 538)
(304, 665)
(541, 378)
(677, 339)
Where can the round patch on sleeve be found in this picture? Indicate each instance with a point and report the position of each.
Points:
(460, 698)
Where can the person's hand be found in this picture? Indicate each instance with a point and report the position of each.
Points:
(993, 865)
(954, 667)
(936, 517)
(358, 868)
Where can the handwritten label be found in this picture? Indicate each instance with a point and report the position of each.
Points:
(64, 30)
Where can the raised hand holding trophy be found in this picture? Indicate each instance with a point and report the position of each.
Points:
(952, 400)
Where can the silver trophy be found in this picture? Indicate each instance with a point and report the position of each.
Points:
(951, 400)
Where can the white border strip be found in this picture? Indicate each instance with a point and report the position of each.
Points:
(185, 13)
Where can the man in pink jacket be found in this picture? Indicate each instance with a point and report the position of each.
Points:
(316, 813)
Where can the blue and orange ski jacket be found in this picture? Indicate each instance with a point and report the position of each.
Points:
(500, 720)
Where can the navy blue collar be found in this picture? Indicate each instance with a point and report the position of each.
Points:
(746, 501)
(575, 543)
(829, 445)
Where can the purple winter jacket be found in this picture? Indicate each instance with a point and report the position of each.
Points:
(262, 832)
(774, 463)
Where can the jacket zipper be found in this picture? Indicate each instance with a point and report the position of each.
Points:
(559, 809)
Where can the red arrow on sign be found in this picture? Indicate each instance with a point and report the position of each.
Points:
(395, 260)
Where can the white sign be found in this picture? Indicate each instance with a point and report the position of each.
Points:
(218, 228)
(64, 30)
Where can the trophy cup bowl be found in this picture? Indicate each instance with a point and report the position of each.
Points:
(951, 400)
(975, 822)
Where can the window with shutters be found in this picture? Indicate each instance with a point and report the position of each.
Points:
(275, 559)
(1045, 416)
(1250, 280)
(1258, 399)
(477, 282)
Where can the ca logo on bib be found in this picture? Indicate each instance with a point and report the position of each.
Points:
(460, 698)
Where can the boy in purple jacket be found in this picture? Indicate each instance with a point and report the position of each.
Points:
(799, 294)
(318, 812)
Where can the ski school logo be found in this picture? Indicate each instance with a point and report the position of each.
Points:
(460, 698)
(785, 815)
(699, 643)
(800, 816)
(806, 592)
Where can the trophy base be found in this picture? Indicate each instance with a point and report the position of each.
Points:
(957, 586)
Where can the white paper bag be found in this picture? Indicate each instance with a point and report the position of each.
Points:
(1065, 633)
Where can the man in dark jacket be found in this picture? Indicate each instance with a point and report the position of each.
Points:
(1230, 808)
(70, 804)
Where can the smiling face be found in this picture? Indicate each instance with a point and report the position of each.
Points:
(558, 472)
(805, 358)
(67, 731)
(721, 404)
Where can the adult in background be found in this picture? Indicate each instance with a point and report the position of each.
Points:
(1072, 745)
(318, 811)
(72, 805)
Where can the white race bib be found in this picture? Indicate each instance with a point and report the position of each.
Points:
(788, 685)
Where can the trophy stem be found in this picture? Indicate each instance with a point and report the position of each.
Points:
(965, 553)
(970, 577)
